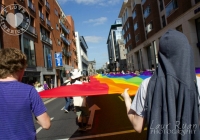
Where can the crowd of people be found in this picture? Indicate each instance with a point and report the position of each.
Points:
(168, 102)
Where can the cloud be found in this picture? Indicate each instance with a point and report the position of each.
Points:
(92, 2)
(113, 2)
(62, 1)
(88, 2)
(93, 39)
(97, 21)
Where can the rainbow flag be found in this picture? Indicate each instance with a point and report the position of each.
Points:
(198, 72)
(102, 84)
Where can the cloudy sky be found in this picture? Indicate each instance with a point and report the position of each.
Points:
(92, 19)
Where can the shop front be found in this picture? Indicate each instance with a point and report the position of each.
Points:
(30, 77)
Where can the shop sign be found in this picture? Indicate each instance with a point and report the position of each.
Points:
(58, 59)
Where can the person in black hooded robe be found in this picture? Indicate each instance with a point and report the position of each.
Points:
(170, 105)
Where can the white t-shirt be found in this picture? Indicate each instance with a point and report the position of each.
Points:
(139, 99)
(79, 100)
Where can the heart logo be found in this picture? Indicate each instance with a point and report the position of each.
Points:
(14, 20)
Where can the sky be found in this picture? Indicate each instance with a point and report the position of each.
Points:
(93, 19)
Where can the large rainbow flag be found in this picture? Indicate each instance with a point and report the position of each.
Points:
(102, 84)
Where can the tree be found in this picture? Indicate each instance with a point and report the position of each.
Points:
(99, 70)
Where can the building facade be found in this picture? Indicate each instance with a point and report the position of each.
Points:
(46, 42)
(91, 68)
(115, 33)
(155, 17)
(82, 53)
(122, 55)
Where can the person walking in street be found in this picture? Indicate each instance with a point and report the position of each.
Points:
(52, 83)
(168, 101)
(80, 103)
(18, 101)
(69, 100)
(45, 85)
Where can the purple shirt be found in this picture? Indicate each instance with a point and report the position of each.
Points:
(17, 103)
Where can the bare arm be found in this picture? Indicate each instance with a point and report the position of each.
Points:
(136, 120)
(44, 120)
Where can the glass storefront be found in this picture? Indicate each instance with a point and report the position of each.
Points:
(29, 50)
(31, 77)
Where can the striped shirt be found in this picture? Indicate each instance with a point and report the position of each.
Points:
(18, 102)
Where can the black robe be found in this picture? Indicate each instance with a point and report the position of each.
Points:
(172, 96)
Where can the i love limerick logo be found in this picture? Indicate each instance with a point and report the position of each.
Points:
(15, 19)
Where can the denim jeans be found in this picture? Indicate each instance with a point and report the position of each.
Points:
(68, 101)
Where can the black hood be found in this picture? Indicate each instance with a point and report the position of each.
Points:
(172, 96)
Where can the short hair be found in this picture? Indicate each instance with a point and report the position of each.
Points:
(11, 61)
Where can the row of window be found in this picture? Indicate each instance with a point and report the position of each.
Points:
(127, 38)
(29, 50)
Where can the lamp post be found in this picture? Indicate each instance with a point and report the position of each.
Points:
(110, 64)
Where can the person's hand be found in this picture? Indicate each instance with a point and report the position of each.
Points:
(125, 95)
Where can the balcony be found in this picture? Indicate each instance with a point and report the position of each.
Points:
(65, 40)
(47, 5)
(45, 39)
(48, 22)
(69, 54)
(30, 29)
(41, 15)
(2, 7)
(31, 6)
(64, 28)
(66, 53)
(41, 1)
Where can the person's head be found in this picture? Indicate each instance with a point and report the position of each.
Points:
(76, 75)
(45, 82)
(175, 54)
(67, 71)
(12, 63)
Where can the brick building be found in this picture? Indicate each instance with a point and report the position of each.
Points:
(48, 38)
(151, 19)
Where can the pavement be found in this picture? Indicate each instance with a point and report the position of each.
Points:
(45, 99)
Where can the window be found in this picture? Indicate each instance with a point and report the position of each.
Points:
(57, 27)
(161, 5)
(179, 28)
(134, 14)
(143, 1)
(147, 11)
(47, 57)
(163, 21)
(135, 26)
(56, 12)
(149, 27)
(29, 50)
(197, 21)
(137, 38)
(171, 7)
(126, 14)
(150, 56)
(196, 1)
(133, 4)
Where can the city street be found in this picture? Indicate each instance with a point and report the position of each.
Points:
(108, 119)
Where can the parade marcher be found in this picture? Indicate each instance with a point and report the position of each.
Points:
(52, 83)
(69, 100)
(45, 85)
(18, 101)
(39, 87)
(168, 101)
(80, 103)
